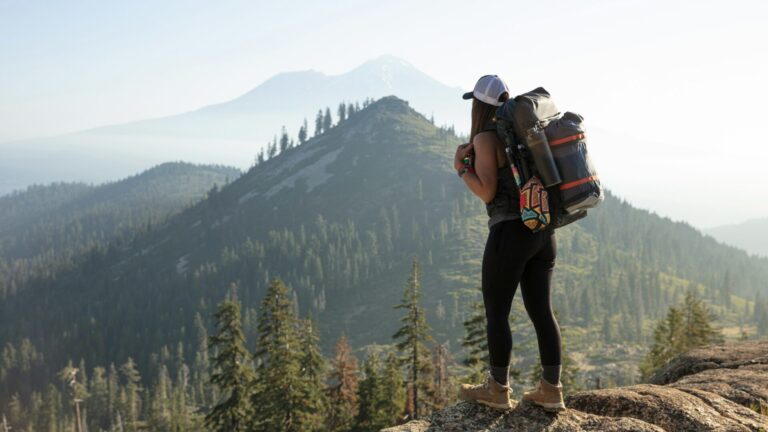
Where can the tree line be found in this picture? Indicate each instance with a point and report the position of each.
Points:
(287, 384)
(323, 123)
(284, 384)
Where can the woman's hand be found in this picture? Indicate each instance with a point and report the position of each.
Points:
(461, 151)
(483, 181)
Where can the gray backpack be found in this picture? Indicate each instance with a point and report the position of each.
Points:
(542, 142)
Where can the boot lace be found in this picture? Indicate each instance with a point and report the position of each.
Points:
(484, 384)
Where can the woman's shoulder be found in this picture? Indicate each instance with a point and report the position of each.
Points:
(487, 136)
(490, 143)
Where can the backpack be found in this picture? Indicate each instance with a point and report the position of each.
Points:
(575, 186)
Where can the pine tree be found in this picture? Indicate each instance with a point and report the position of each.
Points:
(283, 139)
(303, 132)
(410, 405)
(413, 335)
(272, 148)
(476, 342)
(697, 323)
(319, 123)
(51, 410)
(369, 394)
(668, 340)
(342, 111)
(327, 120)
(159, 411)
(201, 391)
(98, 403)
(113, 393)
(686, 326)
(726, 288)
(392, 402)
(762, 323)
(313, 372)
(22, 417)
(82, 378)
(760, 315)
(77, 390)
(277, 399)
(231, 373)
(443, 382)
(260, 156)
(132, 394)
(342, 393)
(183, 416)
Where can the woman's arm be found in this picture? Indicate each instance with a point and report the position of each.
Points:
(483, 182)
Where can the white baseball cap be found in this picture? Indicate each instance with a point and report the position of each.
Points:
(488, 89)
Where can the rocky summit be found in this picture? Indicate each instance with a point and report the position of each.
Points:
(711, 388)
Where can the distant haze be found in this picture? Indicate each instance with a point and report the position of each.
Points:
(229, 133)
(751, 235)
(670, 90)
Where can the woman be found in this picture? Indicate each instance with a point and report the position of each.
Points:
(513, 254)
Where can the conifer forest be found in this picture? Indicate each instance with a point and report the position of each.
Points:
(333, 286)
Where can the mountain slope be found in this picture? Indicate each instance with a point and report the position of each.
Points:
(45, 229)
(339, 219)
(229, 133)
(751, 235)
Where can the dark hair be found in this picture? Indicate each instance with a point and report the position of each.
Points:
(482, 114)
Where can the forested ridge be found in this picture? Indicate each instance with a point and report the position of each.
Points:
(338, 218)
(45, 229)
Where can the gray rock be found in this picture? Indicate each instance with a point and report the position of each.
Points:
(747, 387)
(670, 408)
(711, 388)
(730, 355)
(467, 416)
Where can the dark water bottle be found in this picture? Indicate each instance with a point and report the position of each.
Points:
(542, 156)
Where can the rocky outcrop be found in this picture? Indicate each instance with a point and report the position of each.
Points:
(712, 388)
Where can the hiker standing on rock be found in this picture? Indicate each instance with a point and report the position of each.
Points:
(513, 254)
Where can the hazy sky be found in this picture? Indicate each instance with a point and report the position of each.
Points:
(683, 79)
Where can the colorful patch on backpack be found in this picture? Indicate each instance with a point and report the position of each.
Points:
(534, 205)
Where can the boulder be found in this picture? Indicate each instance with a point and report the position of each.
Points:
(730, 355)
(669, 408)
(467, 416)
(712, 388)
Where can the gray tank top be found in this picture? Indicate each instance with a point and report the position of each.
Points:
(505, 205)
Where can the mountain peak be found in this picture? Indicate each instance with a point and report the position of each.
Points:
(390, 103)
(387, 60)
(390, 115)
(392, 71)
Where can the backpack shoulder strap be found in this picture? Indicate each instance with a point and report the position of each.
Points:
(490, 126)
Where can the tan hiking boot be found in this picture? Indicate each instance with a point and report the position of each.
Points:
(546, 395)
(489, 393)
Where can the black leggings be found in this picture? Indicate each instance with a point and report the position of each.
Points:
(514, 253)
